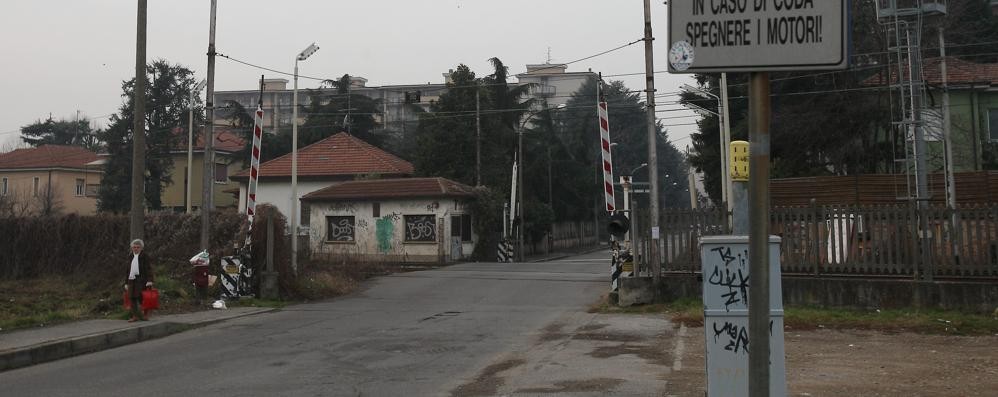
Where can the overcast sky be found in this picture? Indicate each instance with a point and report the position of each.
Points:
(64, 56)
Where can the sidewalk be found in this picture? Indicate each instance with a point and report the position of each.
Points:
(26, 347)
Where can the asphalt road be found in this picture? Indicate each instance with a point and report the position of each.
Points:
(444, 332)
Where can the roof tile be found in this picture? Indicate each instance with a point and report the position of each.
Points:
(391, 188)
(340, 154)
(47, 156)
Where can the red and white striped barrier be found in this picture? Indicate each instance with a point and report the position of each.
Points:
(254, 174)
(604, 130)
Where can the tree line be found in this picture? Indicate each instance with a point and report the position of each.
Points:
(561, 146)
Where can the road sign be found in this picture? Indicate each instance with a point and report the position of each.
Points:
(757, 35)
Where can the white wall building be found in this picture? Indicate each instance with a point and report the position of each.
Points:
(406, 220)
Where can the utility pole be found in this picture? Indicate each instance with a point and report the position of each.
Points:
(138, 208)
(652, 148)
(947, 134)
(921, 177)
(478, 139)
(726, 189)
(759, 123)
(209, 137)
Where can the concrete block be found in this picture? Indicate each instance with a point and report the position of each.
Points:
(635, 291)
(15, 359)
(88, 344)
(122, 337)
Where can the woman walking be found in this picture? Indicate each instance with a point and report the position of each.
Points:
(139, 277)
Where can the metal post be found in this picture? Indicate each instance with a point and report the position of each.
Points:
(724, 114)
(138, 208)
(294, 173)
(190, 146)
(209, 137)
(921, 178)
(190, 156)
(948, 137)
(478, 139)
(625, 184)
(759, 124)
(519, 192)
(691, 181)
(652, 147)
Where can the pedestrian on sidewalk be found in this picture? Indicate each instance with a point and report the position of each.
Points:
(139, 277)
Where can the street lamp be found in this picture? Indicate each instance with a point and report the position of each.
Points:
(725, 133)
(519, 178)
(307, 52)
(190, 142)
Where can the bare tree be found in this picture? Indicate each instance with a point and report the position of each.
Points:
(48, 202)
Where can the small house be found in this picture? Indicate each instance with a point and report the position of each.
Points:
(400, 220)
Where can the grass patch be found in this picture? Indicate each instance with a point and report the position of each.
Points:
(40, 302)
(53, 300)
(926, 321)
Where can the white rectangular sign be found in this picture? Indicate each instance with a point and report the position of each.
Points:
(757, 35)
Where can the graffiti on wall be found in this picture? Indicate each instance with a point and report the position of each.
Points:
(340, 228)
(384, 230)
(421, 228)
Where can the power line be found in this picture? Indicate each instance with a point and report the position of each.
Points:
(510, 76)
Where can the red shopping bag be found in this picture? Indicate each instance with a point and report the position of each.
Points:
(127, 298)
(150, 299)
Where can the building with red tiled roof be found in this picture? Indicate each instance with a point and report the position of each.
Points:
(398, 188)
(226, 145)
(338, 158)
(973, 92)
(49, 179)
(400, 220)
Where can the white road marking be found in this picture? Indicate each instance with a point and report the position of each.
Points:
(677, 353)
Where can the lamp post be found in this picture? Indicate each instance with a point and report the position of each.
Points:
(725, 138)
(519, 178)
(190, 143)
(308, 51)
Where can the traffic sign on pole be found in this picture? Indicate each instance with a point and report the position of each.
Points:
(758, 35)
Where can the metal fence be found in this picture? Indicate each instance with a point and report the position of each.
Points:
(881, 240)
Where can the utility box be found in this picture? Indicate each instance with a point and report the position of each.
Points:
(725, 299)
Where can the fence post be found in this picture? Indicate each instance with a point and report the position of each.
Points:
(819, 218)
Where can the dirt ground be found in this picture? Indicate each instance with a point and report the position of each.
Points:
(863, 363)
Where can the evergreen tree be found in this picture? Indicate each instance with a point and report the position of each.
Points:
(168, 103)
(61, 132)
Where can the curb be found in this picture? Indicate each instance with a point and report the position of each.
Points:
(74, 346)
(566, 255)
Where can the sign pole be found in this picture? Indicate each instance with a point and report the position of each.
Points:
(759, 123)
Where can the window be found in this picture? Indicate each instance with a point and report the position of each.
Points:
(34, 186)
(340, 228)
(420, 228)
(221, 173)
(3, 187)
(376, 210)
(460, 226)
(305, 214)
(93, 189)
(81, 187)
(993, 125)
